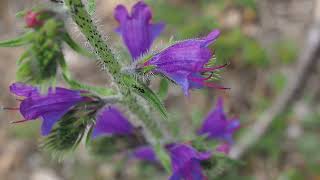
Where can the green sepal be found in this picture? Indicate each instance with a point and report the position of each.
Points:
(163, 88)
(145, 92)
(147, 69)
(163, 157)
(18, 41)
(75, 46)
(219, 164)
(70, 129)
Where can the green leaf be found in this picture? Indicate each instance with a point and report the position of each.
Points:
(23, 57)
(18, 41)
(145, 92)
(91, 6)
(79, 86)
(163, 89)
(163, 157)
(75, 46)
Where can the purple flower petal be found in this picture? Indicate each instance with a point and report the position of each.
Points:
(136, 29)
(145, 153)
(49, 119)
(190, 171)
(111, 122)
(185, 61)
(156, 30)
(211, 37)
(56, 100)
(21, 89)
(185, 161)
(216, 125)
(121, 13)
(51, 106)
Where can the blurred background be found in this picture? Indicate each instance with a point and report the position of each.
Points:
(262, 40)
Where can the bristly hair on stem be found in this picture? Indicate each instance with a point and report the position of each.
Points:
(128, 86)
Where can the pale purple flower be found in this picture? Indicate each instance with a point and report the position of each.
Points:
(217, 126)
(136, 28)
(110, 121)
(51, 106)
(186, 62)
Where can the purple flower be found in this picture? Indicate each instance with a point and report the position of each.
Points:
(186, 62)
(217, 126)
(136, 28)
(109, 121)
(145, 153)
(185, 160)
(50, 107)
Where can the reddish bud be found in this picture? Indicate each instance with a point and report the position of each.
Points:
(32, 19)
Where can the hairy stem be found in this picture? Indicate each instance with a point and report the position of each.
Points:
(87, 27)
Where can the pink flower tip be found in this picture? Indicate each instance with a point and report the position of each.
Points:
(32, 19)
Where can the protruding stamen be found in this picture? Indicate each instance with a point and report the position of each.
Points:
(21, 121)
(197, 79)
(213, 68)
(212, 85)
(10, 109)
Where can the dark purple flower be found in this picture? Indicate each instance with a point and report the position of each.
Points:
(217, 126)
(50, 107)
(186, 62)
(185, 160)
(136, 28)
(109, 121)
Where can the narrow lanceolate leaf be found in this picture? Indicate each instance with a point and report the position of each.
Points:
(75, 46)
(18, 41)
(101, 91)
(152, 98)
(163, 157)
(163, 89)
(91, 6)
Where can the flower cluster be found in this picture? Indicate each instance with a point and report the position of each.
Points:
(186, 63)
(186, 160)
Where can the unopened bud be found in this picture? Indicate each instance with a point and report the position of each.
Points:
(32, 19)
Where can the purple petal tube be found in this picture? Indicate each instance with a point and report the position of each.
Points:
(185, 61)
(110, 121)
(145, 153)
(136, 28)
(185, 160)
(217, 126)
(50, 107)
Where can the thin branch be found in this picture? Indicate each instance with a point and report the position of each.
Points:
(309, 56)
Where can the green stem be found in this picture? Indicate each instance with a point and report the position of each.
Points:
(87, 27)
